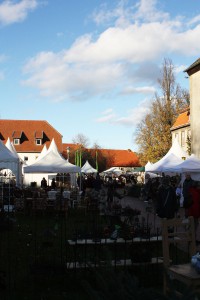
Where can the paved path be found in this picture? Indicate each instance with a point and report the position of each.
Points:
(147, 211)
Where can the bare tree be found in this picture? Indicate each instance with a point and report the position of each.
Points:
(81, 140)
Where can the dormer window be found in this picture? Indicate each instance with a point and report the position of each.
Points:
(38, 141)
(39, 137)
(16, 141)
(17, 135)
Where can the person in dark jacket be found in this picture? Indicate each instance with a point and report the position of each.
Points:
(167, 206)
(187, 184)
(194, 208)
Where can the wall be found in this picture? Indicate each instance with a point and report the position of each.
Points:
(194, 81)
(179, 133)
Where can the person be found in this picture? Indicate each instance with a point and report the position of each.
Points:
(187, 184)
(179, 194)
(43, 183)
(147, 190)
(166, 200)
(97, 183)
(53, 184)
(110, 192)
(194, 208)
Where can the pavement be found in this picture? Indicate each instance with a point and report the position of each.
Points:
(148, 212)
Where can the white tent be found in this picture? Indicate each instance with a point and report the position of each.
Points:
(11, 147)
(42, 153)
(11, 161)
(148, 164)
(173, 157)
(88, 169)
(166, 162)
(191, 164)
(177, 150)
(52, 162)
(114, 170)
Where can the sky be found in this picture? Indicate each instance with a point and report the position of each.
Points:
(90, 67)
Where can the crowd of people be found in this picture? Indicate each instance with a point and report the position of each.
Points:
(169, 194)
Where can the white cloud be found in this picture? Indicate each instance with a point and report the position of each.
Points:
(3, 58)
(134, 116)
(137, 90)
(118, 58)
(108, 116)
(13, 12)
(181, 68)
(194, 20)
(1, 75)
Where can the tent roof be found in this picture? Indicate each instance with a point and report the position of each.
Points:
(172, 158)
(52, 162)
(191, 164)
(9, 160)
(6, 155)
(87, 168)
(166, 162)
(11, 147)
(113, 170)
(177, 150)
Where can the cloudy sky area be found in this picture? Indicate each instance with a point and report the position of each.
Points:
(91, 67)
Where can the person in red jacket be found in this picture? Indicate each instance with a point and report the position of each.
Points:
(194, 209)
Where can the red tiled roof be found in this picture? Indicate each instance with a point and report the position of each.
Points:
(121, 158)
(29, 128)
(17, 134)
(39, 134)
(116, 158)
(182, 120)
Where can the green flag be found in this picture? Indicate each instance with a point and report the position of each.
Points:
(97, 161)
(77, 162)
(80, 159)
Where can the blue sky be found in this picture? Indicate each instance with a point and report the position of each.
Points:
(91, 66)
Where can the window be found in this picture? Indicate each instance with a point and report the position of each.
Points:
(25, 158)
(16, 141)
(38, 142)
(182, 138)
(176, 135)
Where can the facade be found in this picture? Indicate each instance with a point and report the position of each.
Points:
(181, 129)
(194, 84)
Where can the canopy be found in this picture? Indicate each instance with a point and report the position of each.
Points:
(139, 169)
(9, 160)
(11, 147)
(113, 170)
(192, 164)
(87, 168)
(52, 162)
(177, 150)
(165, 163)
(173, 157)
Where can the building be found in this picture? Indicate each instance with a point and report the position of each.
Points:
(30, 136)
(181, 129)
(193, 72)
